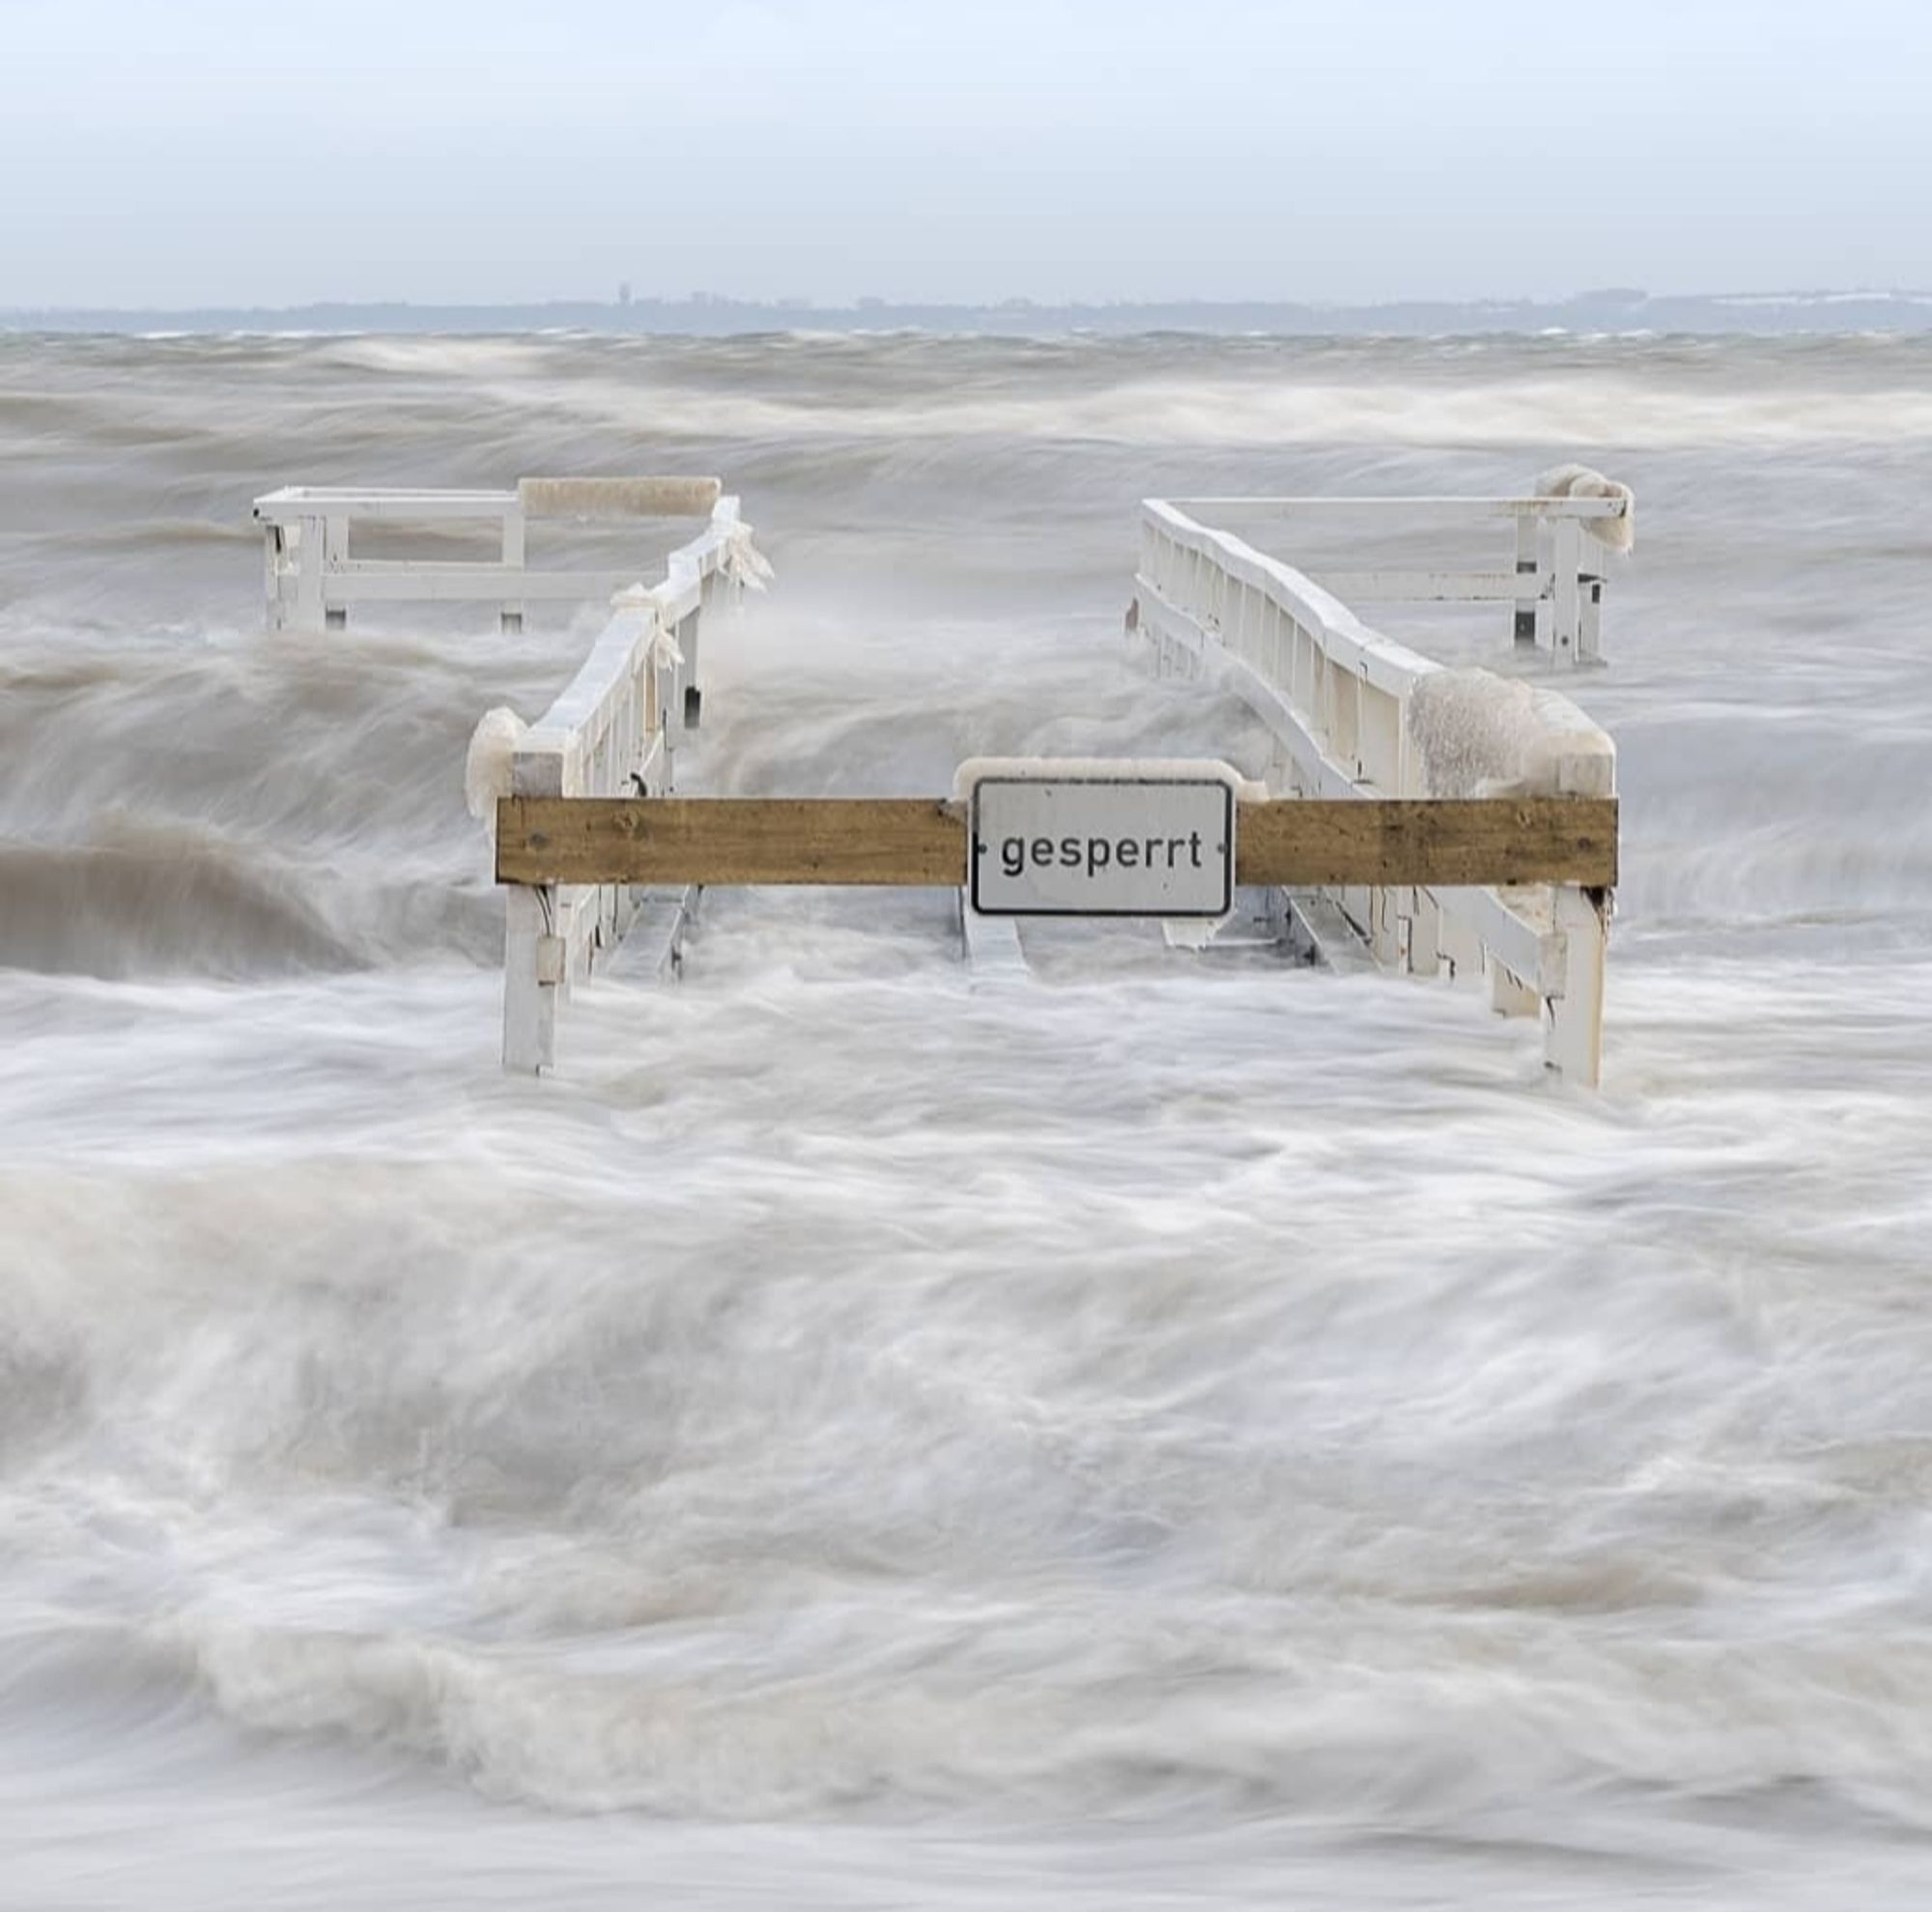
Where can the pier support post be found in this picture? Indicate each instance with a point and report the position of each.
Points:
(533, 975)
(536, 944)
(1574, 1032)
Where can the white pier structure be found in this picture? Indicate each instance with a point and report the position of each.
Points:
(1358, 716)
(1447, 820)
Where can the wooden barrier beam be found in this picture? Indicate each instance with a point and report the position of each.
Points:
(1436, 842)
(921, 841)
(889, 842)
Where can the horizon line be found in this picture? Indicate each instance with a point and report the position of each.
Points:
(701, 300)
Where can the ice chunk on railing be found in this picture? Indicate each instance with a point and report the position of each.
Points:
(488, 768)
(1476, 734)
(1619, 533)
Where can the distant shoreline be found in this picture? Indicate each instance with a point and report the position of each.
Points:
(1610, 312)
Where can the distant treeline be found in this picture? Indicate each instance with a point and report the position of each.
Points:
(1614, 310)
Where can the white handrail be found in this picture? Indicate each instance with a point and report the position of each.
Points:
(1555, 581)
(1468, 509)
(612, 731)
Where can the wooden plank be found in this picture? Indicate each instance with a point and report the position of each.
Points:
(921, 841)
(891, 841)
(1437, 843)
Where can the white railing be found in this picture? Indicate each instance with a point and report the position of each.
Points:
(1357, 715)
(611, 733)
(1555, 582)
(312, 578)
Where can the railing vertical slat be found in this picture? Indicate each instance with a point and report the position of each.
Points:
(510, 615)
(1565, 612)
(1527, 531)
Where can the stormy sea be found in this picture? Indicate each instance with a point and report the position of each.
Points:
(1170, 1429)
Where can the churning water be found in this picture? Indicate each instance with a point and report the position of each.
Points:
(1172, 1431)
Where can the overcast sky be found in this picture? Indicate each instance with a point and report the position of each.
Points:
(199, 152)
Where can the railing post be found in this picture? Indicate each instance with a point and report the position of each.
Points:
(1526, 543)
(1589, 632)
(271, 565)
(531, 977)
(1565, 606)
(536, 953)
(1573, 1042)
(309, 542)
(1424, 953)
(510, 615)
(684, 713)
(666, 701)
(334, 553)
(687, 642)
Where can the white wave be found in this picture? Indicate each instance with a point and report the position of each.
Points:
(1597, 410)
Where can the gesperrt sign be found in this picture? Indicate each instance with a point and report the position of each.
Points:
(1066, 843)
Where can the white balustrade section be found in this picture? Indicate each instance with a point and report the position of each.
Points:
(1556, 581)
(613, 732)
(1357, 715)
(311, 581)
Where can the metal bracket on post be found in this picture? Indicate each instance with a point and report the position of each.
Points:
(666, 697)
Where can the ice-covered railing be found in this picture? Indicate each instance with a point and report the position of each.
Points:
(1562, 534)
(1358, 714)
(613, 732)
(312, 578)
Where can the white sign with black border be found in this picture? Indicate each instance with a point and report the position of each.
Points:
(1090, 839)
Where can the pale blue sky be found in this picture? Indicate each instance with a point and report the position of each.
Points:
(193, 152)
